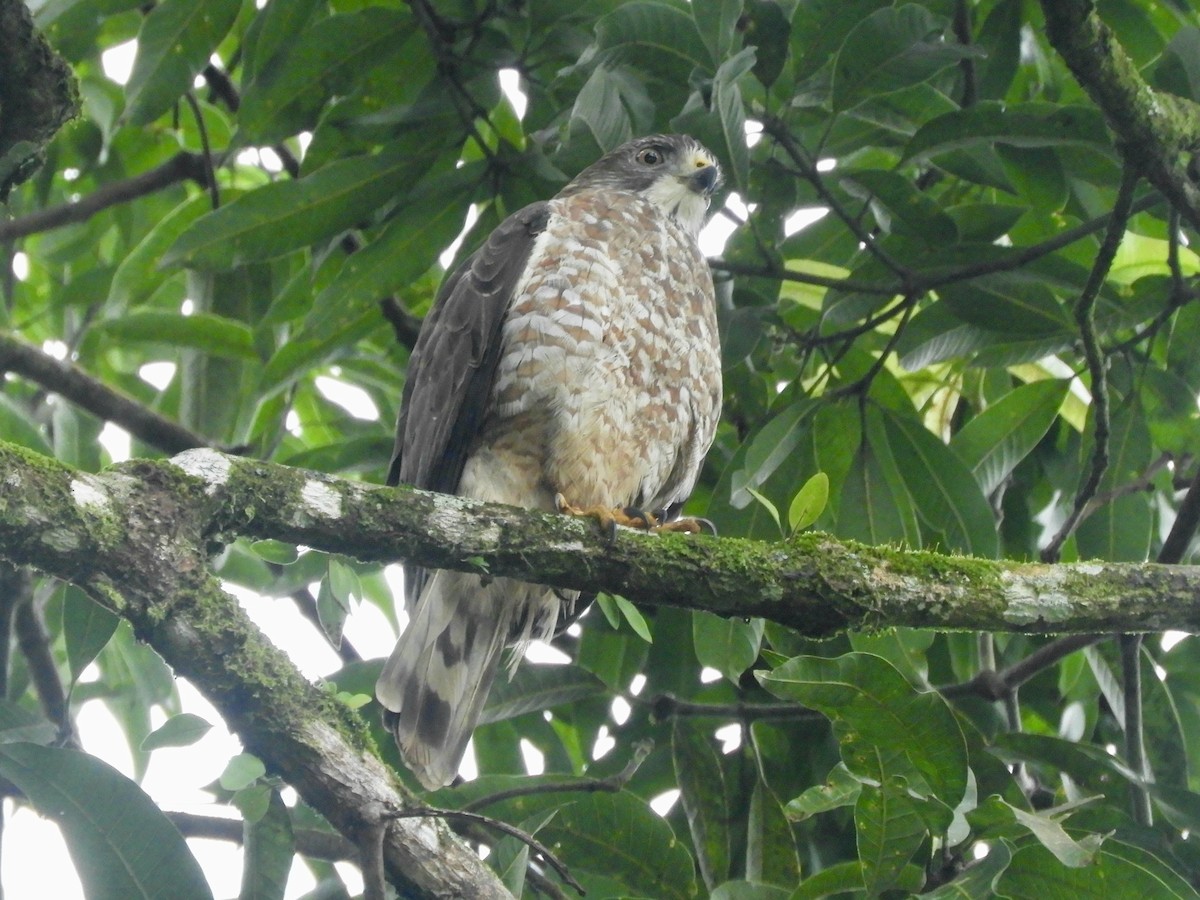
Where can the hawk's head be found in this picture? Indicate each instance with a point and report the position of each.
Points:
(673, 171)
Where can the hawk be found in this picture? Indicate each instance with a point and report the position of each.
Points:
(574, 355)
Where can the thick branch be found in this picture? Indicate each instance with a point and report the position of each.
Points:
(1158, 132)
(183, 166)
(95, 396)
(55, 518)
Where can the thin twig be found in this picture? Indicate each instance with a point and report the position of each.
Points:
(612, 784)
(72, 383)
(183, 166)
(210, 175)
(511, 830)
(1085, 320)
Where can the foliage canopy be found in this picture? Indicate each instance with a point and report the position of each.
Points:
(957, 314)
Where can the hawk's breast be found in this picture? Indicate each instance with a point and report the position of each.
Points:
(609, 380)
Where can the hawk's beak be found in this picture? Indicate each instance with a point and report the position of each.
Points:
(706, 177)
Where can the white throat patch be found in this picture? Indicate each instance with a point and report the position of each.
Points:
(673, 196)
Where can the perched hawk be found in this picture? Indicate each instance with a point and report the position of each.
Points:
(574, 355)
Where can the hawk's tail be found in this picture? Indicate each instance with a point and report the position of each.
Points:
(437, 679)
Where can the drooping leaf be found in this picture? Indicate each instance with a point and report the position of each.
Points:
(175, 42)
(996, 440)
(120, 842)
(705, 797)
(178, 731)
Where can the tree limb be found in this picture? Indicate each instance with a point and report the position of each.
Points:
(93, 395)
(1158, 132)
(60, 520)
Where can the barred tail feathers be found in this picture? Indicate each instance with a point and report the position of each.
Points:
(437, 679)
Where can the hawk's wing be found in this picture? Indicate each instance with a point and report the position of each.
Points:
(453, 366)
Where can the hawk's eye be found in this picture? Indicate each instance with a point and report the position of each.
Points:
(651, 156)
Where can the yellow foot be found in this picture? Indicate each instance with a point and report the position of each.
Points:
(609, 517)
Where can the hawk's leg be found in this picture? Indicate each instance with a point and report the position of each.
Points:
(610, 517)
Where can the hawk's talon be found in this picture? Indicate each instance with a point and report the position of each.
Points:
(631, 517)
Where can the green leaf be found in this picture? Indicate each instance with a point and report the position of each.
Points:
(275, 552)
(1008, 303)
(889, 831)
(241, 772)
(994, 442)
(121, 843)
(87, 628)
(749, 890)
(900, 207)
(767, 450)
(215, 335)
(704, 796)
(325, 60)
(276, 218)
(947, 495)
(536, 688)
(1018, 125)
(875, 506)
(717, 23)
(332, 612)
(891, 49)
(19, 724)
(765, 502)
(273, 31)
(635, 619)
(661, 36)
(809, 502)
(728, 645)
(619, 836)
(428, 220)
(731, 112)
(1118, 870)
(139, 273)
(17, 427)
(601, 108)
(840, 789)
(175, 42)
(979, 878)
(181, 730)
(269, 850)
(1121, 529)
(771, 853)
(885, 727)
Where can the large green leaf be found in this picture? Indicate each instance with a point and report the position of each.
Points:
(1119, 870)
(176, 40)
(87, 627)
(427, 221)
(728, 645)
(889, 830)
(946, 494)
(619, 836)
(705, 797)
(884, 726)
(285, 215)
(324, 60)
(121, 843)
(269, 849)
(211, 333)
(1019, 125)
(996, 440)
(659, 35)
(890, 49)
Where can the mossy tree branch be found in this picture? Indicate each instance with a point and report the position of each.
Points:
(91, 529)
(1158, 132)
